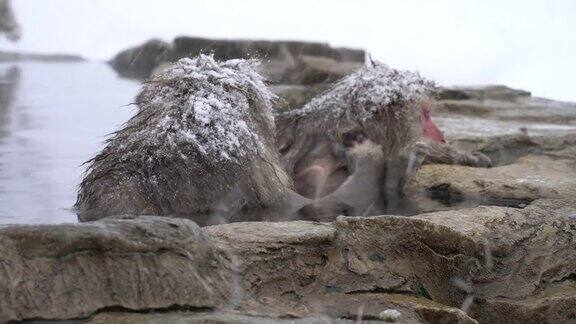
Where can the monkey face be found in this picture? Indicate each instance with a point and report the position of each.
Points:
(429, 129)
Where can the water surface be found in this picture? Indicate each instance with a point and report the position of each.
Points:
(54, 117)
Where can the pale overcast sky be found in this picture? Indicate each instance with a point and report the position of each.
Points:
(526, 44)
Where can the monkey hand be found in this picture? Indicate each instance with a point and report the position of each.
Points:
(481, 160)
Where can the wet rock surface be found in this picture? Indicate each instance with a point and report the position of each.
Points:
(496, 92)
(500, 264)
(531, 142)
(505, 123)
(517, 184)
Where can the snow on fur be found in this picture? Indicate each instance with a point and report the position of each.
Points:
(203, 130)
(379, 101)
(206, 104)
(362, 94)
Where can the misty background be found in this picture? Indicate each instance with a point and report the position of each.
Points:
(523, 44)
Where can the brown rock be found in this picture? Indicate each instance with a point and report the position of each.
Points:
(73, 271)
(496, 257)
(278, 56)
(510, 107)
(507, 149)
(529, 178)
(335, 308)
(310, 70)
(497, 92)
(502, 264)
(229, 49)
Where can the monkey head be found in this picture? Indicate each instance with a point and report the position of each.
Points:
(379, 101)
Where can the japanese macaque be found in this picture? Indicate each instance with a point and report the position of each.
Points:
(8, 24)
(201, 144)
(376, 101)
(390, 111)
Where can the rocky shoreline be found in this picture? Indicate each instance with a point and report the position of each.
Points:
(11, 57)
(500, 264)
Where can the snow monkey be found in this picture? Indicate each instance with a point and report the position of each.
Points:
(201, 142)
(375, 104)
(378, 103)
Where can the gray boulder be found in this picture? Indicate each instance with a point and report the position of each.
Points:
(496, 92)
(283, 50)
(72, 271)
(501, 264)
(294, 95)
(505, 105)
(140, 61)
(8, 24)
(278, 56)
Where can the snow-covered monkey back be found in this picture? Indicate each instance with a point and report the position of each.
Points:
(381, 102)
(370, 89)
(203, 131)
(208, 105)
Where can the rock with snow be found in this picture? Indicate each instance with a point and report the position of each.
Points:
(313, 70)
(495, 92)
(551, 175)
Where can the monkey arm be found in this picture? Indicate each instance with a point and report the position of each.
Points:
(360, 193)
(440, 153)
